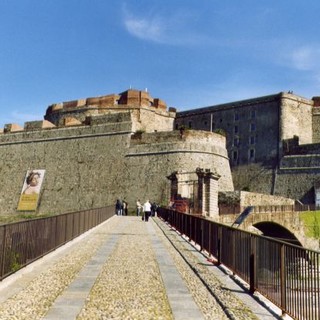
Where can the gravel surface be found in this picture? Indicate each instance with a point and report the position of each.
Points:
(130, 285)
(214, 299)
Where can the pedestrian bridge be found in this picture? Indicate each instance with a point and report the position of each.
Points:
(174, 266)
(126, 268)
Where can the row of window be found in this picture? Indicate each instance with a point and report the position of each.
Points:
(252, 128)
(252, 115)
(251, 155)
(236, 141)
(205, 123)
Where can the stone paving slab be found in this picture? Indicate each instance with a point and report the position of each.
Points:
(73, 298)
(181, 301)
(261, 307)
(142, 238)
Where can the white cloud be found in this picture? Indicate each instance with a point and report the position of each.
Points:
(147, 29)
(305, 58)
(302, 58)
(165, 28)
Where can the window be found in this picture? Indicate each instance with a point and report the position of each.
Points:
(252, 140)
(236, 129)
(253, 114)
(236, 142)
(252, 127)
(236, 116)
(251, 154)
(235, 155)
(190, 124)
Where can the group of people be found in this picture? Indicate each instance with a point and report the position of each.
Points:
(121, 207)
(146, 210)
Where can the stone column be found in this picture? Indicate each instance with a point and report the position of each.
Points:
(211, 182)
(173, 185)
(208, 184)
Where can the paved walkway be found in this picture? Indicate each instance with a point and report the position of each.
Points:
(126, 269)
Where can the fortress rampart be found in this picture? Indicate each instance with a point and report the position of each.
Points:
(123, 145)
(149, 114)
(92, 160)
(261, 134)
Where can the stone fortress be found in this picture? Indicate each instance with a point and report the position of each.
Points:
(131, 146)
(96, 150)
(273, 142)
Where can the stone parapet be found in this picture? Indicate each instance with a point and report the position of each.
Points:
(245, 198)
(71, 132)
(12, 127)
(36, 125)
(153, 112)
(303, 161)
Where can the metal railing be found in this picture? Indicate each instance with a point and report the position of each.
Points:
(286, 274)
(236, 209)
(24, 242)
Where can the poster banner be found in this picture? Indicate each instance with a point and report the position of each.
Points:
(31, 190)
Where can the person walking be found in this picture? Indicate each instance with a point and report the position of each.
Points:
(147, 210)
(138, 207)
(124, 208)
(118, 207)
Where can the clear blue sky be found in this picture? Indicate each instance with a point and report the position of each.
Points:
(188, 53)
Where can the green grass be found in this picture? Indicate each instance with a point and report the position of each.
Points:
(21, 217)
(311, 221)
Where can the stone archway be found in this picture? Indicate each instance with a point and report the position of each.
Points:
(277, 231)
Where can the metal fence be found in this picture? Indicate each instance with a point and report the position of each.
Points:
(236, 209)
(286, 274)
(24, 242)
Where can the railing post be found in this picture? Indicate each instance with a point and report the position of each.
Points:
(219, 244)
(253, 265)
(201, 235)
(56, 237)
(3, 251)
(283, 278)
(210, 239)
(65, 228)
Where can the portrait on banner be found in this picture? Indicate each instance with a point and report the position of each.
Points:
(30, 192)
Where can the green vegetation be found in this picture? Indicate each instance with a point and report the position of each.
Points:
(140, 131)
(311, 221)
(220, 131)
(21, 217)
(14, 262)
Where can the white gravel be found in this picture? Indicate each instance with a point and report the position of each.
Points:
(130, 284)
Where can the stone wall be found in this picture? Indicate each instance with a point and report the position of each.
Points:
(295, 118)
(244, 199)
(258, 199)
(82, 166)
(254, 178)
(251, 127)
(154, 156)
(297, 176)
(316, 125)
(89, 166)
(152, 120)
(148, 114)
